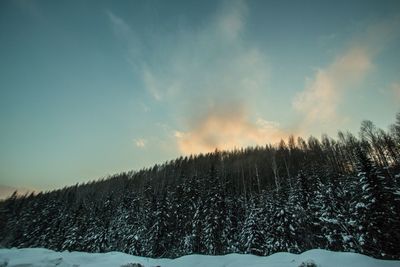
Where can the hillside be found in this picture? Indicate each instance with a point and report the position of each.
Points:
(339, 195)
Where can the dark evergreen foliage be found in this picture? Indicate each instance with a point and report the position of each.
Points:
(333, 194)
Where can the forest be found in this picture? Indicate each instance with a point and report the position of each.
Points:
(340, 194)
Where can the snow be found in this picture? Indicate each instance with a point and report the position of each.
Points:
(360, 205)
(35, 257)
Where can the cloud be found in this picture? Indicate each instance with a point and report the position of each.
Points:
(231, 21)
(208, 78)
(319, 100)
(205, 63)
(152, 84)
(210, 75)
(225, 128)
(128, 36)
(395, 88)
(140, 142)
(120, 27)
(322, 94)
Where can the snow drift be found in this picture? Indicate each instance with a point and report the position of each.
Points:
(35, 257)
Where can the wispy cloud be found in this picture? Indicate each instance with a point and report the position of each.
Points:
(231, 21)
(395, 88)
(208, 64)
(152, 84)
(120, 27)
(129, 38)
(322, 94)
(208, 78)
(140, 142)
(212, 78)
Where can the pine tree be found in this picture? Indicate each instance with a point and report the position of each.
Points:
(75, 229)
(329, 214)
(252, 235)
(159, 234)
(285, 222)
(215, 215)
(376, 211)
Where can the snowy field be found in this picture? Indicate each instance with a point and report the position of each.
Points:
(35, 257)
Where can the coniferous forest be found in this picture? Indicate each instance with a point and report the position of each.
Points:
(339, 194)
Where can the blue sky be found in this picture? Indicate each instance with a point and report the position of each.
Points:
(91, 88)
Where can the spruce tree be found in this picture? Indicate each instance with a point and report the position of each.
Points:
(376, 210)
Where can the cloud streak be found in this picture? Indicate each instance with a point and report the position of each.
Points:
(120, 27)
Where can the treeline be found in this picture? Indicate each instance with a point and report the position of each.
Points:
(341, 194)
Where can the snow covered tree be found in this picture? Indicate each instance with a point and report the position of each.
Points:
(75, 229)
(252, 236)
(331, 215)
(285, 223)
(214, 215)
(235, 220)
(376, 210)
(160, 234)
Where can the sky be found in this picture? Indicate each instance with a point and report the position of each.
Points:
(93, 88)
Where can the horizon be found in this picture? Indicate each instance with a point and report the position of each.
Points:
(93, 88)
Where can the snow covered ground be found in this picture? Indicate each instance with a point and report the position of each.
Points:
(34, 257)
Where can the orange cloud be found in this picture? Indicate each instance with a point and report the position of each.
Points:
(226, 128)
(321, 96)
